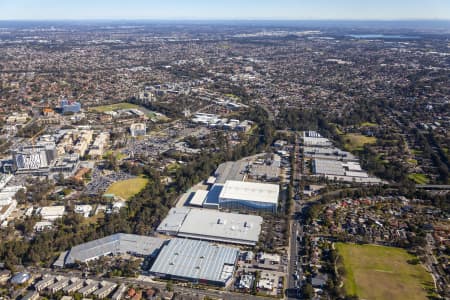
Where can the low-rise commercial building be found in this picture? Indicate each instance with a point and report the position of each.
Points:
(51, 213)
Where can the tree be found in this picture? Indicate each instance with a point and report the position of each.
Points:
(308, 291)
(169, 286)
(21, 196)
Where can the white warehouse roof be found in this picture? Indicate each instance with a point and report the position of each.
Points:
(198, 198)
(250, 191)
(52, 212)
(212, 225)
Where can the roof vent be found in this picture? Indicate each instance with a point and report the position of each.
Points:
(221, 221)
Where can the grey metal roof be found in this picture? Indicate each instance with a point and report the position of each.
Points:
(196, 260)
(219, 226)
(329, 167)
(231, 170)
(174, 219)
(213, 225)
(114, 244)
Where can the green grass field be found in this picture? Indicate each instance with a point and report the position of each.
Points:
(419, 178)
(112, 107)
(127, 188)
(377, 272)
(357, 141)
(368, 124)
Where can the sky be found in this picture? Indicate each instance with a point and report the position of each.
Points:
(225, 9)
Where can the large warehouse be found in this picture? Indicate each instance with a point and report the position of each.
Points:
(119, 243)
(196, 261)
(212, 225)
(251, 196)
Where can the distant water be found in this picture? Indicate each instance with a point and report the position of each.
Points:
(383, 36)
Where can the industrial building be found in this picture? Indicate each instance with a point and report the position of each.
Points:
(249, 196)
(212, 199)
(328, 153)
(231, 170)
(314, 139)
(331, 162)
(198, 198)
(119, 243)
(196, 261)
(265, 172)
(338, 168)
(212, 225)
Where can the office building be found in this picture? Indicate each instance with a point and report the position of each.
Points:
(70, 106)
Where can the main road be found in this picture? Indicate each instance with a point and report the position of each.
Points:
(294, 268)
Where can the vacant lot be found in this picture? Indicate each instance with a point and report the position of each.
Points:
(357, 141)
(127, 188)
(376, 272)
(112, 107)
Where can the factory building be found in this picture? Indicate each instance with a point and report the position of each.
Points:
(212, 225)
(196, 261)
(119, 243)
(249, 196)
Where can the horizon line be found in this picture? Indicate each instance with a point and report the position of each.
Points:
(226, 19)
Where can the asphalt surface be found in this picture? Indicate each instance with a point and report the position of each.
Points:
(295, 272)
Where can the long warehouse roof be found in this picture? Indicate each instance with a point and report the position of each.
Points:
(114, 244)
(197, 260)
(250, 191)
(212, 225)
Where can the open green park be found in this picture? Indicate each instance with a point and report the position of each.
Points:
(378, 272)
